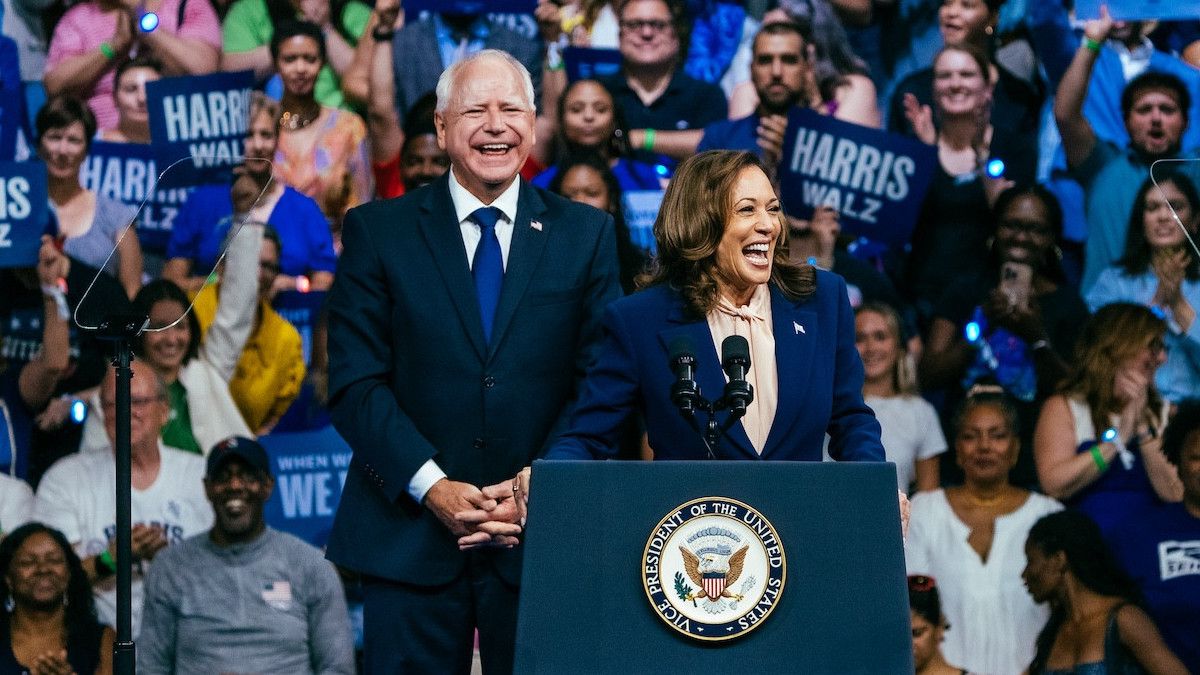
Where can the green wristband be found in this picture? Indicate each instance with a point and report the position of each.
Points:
(1091, 44)
(105, 564)
(1098, 458)
(107, 50)
(648, 140)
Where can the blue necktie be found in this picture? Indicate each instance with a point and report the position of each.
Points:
(487, 267)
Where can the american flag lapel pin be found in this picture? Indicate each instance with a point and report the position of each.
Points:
(798, 328)
(536, 224)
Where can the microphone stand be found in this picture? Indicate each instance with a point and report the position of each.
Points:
(121, 330)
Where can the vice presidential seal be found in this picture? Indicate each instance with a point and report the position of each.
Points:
(714, 568)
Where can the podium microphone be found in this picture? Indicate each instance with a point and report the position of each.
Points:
(685, 393)
(735, 359)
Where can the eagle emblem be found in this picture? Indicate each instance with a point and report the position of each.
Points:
(713, 570)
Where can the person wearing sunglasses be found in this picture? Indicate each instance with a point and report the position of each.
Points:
(1098, 442)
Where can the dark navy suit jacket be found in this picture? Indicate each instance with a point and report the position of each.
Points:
(411, 377)
(820, 381)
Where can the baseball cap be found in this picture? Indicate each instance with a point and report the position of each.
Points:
(246, 449)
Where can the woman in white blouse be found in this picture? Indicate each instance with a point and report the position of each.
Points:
(971, 538)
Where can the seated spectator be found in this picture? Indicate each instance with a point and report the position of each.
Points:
(244, 597)
(1016, 104)
(783, 78)
(955, 221)
(91, 224)
(1154, 106)
(50, 617)
(1027, 318)
(94, 36)
(197, 365)
(48, 365)
(1160, 270)
(912, 436)
(589, 23)
(1158, 547)
(76, 496)
(1095, 625)
(1098, 443)
(928, 627)
(249, 29)
(271, 368)
(587, 179)
(422, 49)
(321, 150)
(129, 94)
(970, 539)
(203, 223)
(589, 122)
(651, 90)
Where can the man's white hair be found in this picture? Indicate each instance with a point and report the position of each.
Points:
(450, 76)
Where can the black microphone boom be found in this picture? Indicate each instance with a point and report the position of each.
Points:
(685, 393)
(735, 359)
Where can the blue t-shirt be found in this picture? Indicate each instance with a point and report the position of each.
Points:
(1160, 548)
(739, 134)
(630, 174)
(203, 223)
(1119, 491)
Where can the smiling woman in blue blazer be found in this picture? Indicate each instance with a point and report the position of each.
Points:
(722, 270)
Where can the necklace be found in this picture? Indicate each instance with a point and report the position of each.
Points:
(984, 501)
(292, 121)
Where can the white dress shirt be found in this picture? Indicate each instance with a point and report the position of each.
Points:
(465, 204)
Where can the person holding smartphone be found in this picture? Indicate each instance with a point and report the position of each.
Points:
(1015, 324)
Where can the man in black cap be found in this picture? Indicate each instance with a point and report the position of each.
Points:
(243, 597)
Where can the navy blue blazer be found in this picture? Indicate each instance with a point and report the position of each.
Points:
(411, 377)
(820, 381)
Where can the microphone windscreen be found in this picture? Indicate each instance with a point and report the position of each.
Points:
(680, 347)
(735, 348)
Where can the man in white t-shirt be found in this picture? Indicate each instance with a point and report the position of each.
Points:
(77, 494)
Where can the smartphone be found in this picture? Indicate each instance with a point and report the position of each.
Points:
(1016, 281)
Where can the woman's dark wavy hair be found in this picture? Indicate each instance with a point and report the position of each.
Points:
(923, 598)
(1137, 249)
(1088, 557)
(618, 141)
(159, 290)
(290, 28)
(1051, 267)
(691, 222)
(629, 257)
(80, 611)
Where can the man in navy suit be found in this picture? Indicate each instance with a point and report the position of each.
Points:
(463, 317)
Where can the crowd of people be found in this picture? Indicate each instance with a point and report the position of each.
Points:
(1031, 353)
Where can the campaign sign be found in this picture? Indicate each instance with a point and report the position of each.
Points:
(128, 173)
(587, 63)
(874, 179)
(23, 212)
(310, 468)
(641, 210)
(203, 117)
(302, 310)
(1132, 10)
(470, 6)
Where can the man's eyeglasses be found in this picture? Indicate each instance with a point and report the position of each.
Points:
(638, 25)
(138, 402)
